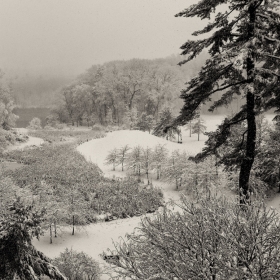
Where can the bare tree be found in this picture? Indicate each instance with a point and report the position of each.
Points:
(160, 155)
(112, 158)
(123, 154)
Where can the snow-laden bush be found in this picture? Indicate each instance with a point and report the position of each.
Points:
(210, 238)
(6, 138)
(98, 127)
(35, 124)
(77, 265)
(10, 137)
(48, 127)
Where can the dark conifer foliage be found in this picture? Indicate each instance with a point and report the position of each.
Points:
(244, 45)
(18, 257)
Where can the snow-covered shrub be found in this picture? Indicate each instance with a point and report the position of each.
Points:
(60, 126)
(77, 265)
(35, 124)
(209, 238)
(98, 127)
(6, 138)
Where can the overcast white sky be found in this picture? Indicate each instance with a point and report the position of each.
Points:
(69, 36)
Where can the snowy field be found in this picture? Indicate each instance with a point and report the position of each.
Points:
(96, 238)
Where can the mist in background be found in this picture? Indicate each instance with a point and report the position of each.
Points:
(65, 37)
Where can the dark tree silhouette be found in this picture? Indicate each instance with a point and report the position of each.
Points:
(245, 54)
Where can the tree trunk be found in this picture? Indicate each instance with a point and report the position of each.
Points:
(55, 231)
(139, 173)
(73, 223)
(279, 176)
(190, 129)
(216, 159)
(248, 160)
(198, 136)
(50, 233)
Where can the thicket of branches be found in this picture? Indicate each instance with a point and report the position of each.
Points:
(73, 191)
(209, 238)
(175, 168)
(77, 265)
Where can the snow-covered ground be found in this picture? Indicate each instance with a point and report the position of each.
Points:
(98, 149)
(96, 238)
(32, 141)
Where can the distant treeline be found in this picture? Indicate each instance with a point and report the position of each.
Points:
(118, 92)
(111, 93)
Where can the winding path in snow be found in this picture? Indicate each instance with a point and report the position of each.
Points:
(96, 238)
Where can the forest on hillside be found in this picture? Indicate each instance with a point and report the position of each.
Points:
(116, 88)
(119, 92)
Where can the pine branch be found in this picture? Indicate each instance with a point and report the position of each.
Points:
(230, 85)
(272, 56)
(219, 137)
(224, 100)
(271, 39)
(243, 138)
(264, 16)
(266, 71)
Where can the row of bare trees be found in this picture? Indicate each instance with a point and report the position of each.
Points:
(174, 168)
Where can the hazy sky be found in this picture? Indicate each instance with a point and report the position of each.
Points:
(69, 36)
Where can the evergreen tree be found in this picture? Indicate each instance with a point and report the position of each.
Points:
(245, 53)
(18, 257)
(268, 163)
(165, 120)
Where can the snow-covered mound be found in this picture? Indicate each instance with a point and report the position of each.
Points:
(97, 150)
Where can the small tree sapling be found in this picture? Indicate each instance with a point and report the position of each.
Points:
(112, 158)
